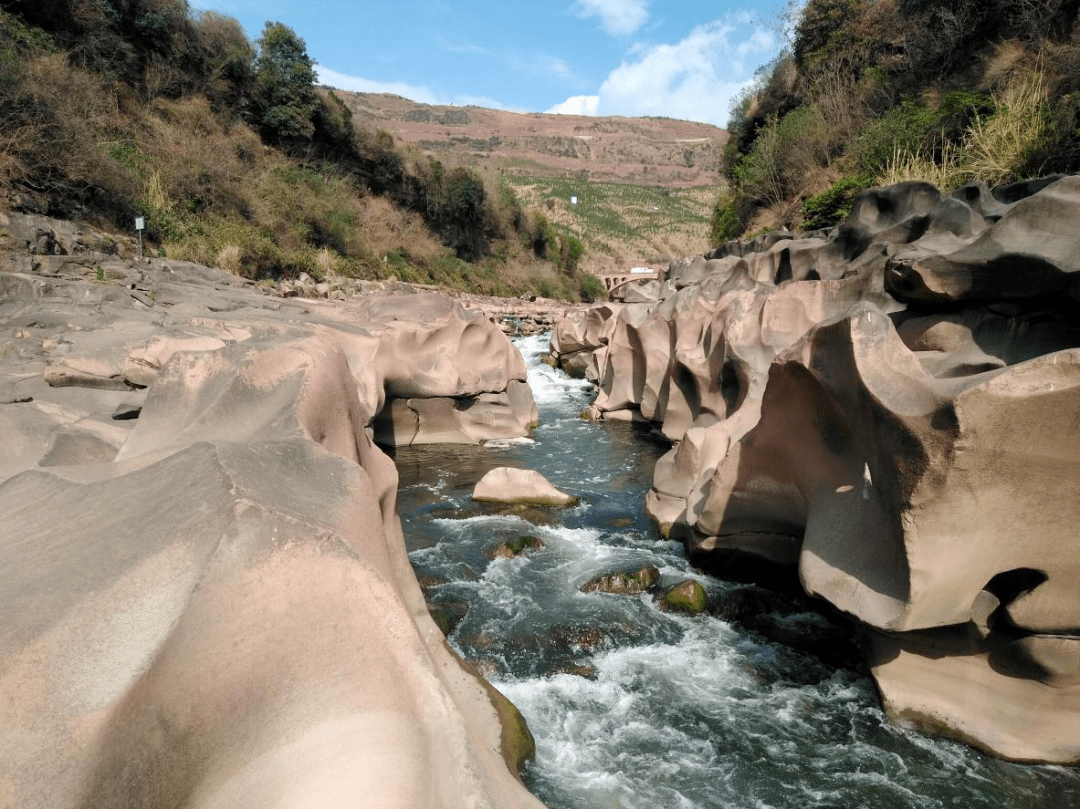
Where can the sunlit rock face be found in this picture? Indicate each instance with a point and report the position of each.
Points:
(892, 409)
(206, 595)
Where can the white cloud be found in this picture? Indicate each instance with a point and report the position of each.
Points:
(414, 92)
(484, 101)
(694, 79)
(560, 69)
(617, 17)
(577, 105)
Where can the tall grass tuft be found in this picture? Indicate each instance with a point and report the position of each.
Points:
(228, 258)
(906, 165)
(998, 146)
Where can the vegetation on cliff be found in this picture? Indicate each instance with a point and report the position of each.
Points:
(112, 109)
(873, 92)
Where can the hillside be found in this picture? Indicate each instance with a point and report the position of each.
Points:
(640, 151)
(645, 187)
(874, 92)
(233, 157)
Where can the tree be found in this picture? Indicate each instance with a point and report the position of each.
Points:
(286, 81)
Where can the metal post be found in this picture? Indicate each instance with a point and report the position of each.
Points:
(140, 225)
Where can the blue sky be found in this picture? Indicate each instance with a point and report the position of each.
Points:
(604, 57)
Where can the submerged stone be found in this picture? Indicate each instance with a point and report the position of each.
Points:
(687, 596)
(515, 547)
(630, 582)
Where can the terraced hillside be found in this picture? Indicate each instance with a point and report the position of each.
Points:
(622, 225)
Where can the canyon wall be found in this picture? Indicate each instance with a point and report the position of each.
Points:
(892, 408)
(207, 599)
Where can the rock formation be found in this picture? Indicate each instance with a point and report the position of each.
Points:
(891, 408)
(207, 599)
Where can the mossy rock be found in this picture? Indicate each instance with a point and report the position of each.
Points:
(447, 615)
(687, 597)
(630, 582)
(428, 582)
(590, 413)
(547, 359)
(574, 370)
(515, 547)
(576, 669)
(518, 744)
(537, 515)
(516, 740)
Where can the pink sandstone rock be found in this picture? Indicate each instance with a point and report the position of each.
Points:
(212, 604)
(509, 485)
(890, 409)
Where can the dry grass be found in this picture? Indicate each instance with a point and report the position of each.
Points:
(55, 117)
(387, 228)
(906, 166)
(327, 262)
(1004, 63)
(996, 146)
(228, 258)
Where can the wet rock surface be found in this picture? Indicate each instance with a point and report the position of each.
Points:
(624, 582)
(687, 596)
(889, 409)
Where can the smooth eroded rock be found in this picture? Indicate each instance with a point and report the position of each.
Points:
(520, 486)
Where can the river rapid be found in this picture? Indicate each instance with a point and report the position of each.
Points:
(758, 704)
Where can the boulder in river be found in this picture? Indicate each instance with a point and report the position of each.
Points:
(626, 582)
(515, 547)
(687, 596)
(520, 486)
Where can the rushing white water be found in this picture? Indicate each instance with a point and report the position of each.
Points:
(633, 707)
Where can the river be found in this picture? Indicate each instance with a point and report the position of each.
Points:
(636, 708)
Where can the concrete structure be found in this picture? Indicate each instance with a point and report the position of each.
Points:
(616, 279)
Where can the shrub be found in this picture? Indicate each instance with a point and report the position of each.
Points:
(832, 207)
(726, 222)
(570, 252)
(819, 34)
(591, 287)
(760, 174)
(466, 199)
(905, 128)
(541, 236)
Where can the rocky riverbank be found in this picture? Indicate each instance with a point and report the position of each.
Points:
(888, 408)
(207, 598)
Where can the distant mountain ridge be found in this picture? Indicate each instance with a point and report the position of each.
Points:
(661, 152)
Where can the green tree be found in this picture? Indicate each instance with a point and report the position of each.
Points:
(286, 81)
(570, 252)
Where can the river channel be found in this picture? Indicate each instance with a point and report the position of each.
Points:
(637, 708)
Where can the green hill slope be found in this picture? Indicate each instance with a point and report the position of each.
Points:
(112, 110)
(879, 91)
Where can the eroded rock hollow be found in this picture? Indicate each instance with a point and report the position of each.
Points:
(892, 408)
(207, 599)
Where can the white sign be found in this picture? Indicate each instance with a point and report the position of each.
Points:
(641, 271)
(140, 223)
(573, 200)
